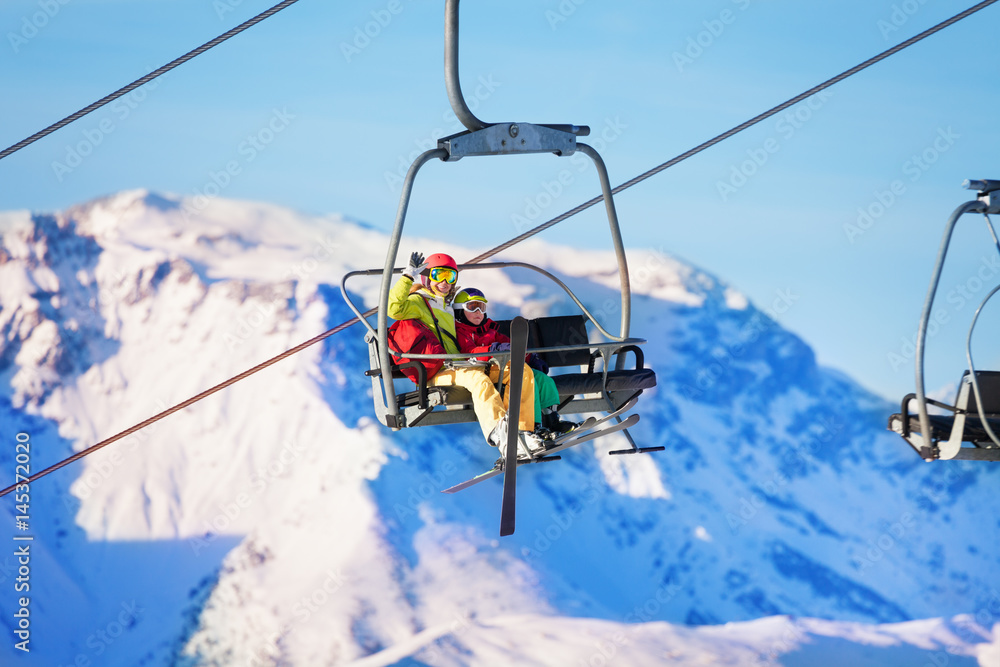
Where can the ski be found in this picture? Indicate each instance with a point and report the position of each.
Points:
(493, 472)
(585, 425)
(630, 421)
(592, 422)
(518, 346)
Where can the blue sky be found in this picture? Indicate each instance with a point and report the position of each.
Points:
(322, 106)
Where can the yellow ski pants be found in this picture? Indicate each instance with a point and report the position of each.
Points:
(486, 401)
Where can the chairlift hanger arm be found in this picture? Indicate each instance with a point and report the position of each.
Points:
(987, 202)
(390, 260)
(451, 78)
(485, 138)
(453, 83)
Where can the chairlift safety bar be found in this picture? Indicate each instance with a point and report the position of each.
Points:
(476, 267)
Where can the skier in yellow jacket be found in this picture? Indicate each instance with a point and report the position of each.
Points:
(430, 302)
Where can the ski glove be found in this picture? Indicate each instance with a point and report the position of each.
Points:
(536, 362)
(499, 347)
(416, 266)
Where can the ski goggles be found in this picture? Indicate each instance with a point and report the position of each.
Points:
(474, 306)
(444, 274)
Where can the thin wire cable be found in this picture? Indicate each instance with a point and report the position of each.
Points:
(146, 79)
(194, 399)
(739, 128)
(503, 246)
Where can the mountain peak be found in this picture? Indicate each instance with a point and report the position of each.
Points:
(278, 518)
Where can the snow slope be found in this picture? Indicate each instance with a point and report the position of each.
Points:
(276, 523)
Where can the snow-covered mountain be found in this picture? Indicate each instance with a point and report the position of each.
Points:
(276, 523)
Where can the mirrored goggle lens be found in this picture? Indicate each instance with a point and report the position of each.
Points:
(444, 274)
(475, 306)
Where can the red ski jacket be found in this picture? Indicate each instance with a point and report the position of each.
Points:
(478, 339)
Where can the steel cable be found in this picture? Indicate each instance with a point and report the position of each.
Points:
(146, 79)
(739, 128)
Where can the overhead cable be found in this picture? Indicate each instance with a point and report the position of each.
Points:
(739, 128)
(125, 90)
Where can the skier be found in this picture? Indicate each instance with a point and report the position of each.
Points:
(478, 333)
(430, 301)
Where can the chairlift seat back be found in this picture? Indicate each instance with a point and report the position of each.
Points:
(989, 389)
(567, 330)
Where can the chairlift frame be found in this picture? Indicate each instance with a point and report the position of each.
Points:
(975, 416)
(480, 139)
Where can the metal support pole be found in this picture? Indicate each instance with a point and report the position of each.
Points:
(451, 80)
(616, 234)
(925, 317)
(390, 261)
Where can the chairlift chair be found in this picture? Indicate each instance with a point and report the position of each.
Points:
(563, 342)
(968, 429)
